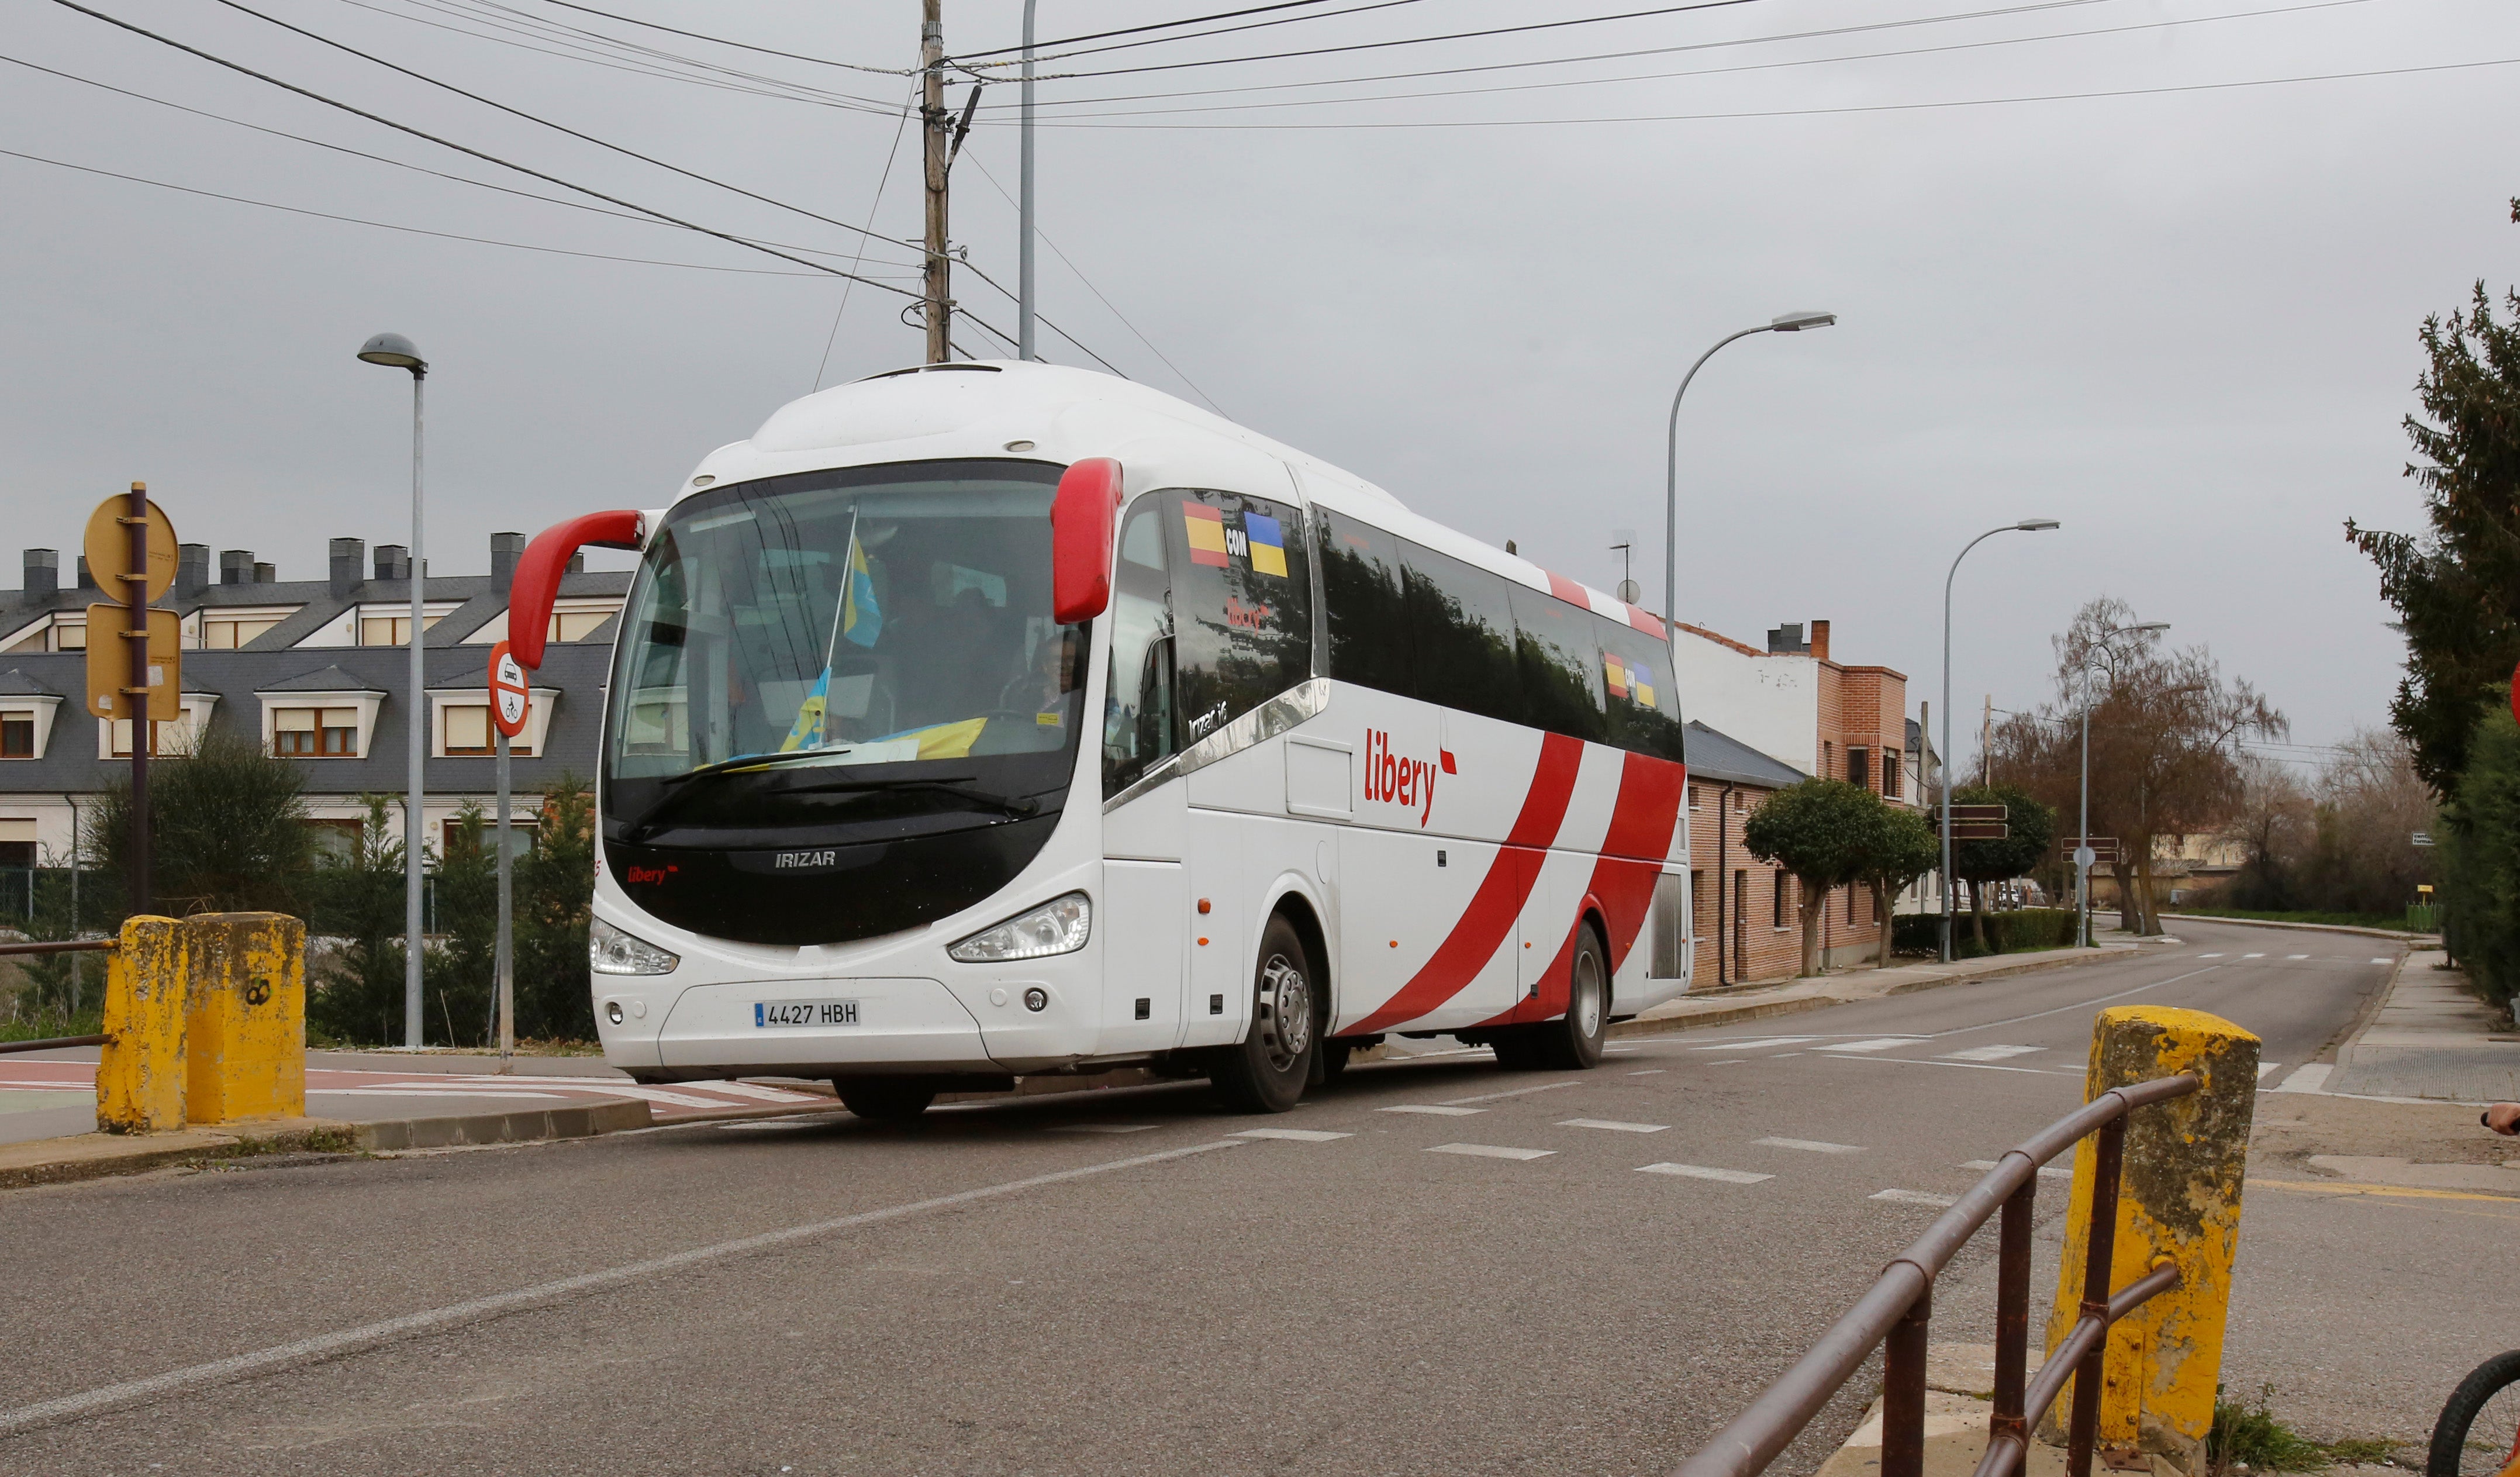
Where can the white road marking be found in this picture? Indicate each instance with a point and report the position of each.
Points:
(1103, 1127)
(1650, 1072)
(1431, 1110)
(1914, 1197)
(2307, 1079)
(1508, 1093)
(1968, 1066)
(1990, 1053)
(1491, 1151)
(2050, 1170)
(2382, 961)
(1756, 1043)
(1614, 1125)
(1701, 1172)
(2265, 1068)
(1813, 1145)
(2253, 956)
(2209, 956)
(1734, 1061)
(2296, 956)
(755, 1090)
(501, 1093)
(215, 1371)
(1877, 1043)
(1290, 1135)
(1781, 1056)
(2080, 1005)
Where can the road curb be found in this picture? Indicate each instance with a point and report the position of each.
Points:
(583, 1120)
(2400, 935)
(1671, 1025)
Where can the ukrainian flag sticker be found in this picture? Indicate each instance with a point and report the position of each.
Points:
(1267, 544)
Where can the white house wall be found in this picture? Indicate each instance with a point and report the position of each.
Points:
(1772, 703)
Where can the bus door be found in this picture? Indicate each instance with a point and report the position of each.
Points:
(1144, 902)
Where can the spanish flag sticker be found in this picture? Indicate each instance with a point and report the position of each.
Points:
(1617, 673)
(1267, 544)
(1206, 529)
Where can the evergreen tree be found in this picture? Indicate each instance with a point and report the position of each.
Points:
(555, 895)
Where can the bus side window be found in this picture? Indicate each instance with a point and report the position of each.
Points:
(1644, 710)
(1561, 678)
(1462, 620)
(1243, 603)
(1138, 713)
(1365, 616)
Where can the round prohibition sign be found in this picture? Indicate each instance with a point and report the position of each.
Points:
(510, 702)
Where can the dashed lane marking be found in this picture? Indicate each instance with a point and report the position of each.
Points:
(1756, 1043)
(1812, 1146)
(2253, 956)
(1990, 1053)
(1290, 1135)
(2209, 956)
(1614, 1125)
(1491, 1151)
(2050, 1171)
(1914, 1197)
(1432, 1110)
(1968, 1066)
(2265, 1068)
(2296, 956)
(1702, 1172)
(1104, 1128)
(1877, 1043)
(1508, 1093)
(1652, 1071)
(2384, 961)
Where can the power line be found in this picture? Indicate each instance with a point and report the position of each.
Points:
(889, 155)
(1132, 30)
(1222, 30)
(552, 179)
(887, 72)
(1804, 113)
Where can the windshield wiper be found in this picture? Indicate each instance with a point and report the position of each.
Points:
(952, 784)
(749, 761)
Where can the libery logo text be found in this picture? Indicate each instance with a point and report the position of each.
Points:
(1409, 784)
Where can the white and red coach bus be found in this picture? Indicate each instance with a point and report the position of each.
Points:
(997, 718)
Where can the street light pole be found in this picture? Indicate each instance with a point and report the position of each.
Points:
(2026, 525)
(1024, 195)
(394, 351)
(1784, 323)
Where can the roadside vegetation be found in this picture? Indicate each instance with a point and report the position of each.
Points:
(2396, 920)
(2248, 1437)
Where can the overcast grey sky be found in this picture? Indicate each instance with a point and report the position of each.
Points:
(2180, 317)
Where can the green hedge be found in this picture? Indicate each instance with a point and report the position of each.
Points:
(2006, 932)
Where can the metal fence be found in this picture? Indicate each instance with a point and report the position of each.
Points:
(1896, 1311)
(60, 946)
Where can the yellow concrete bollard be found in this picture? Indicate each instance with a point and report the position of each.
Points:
(244, 1016)
(2180, 1198)
(139, 1074)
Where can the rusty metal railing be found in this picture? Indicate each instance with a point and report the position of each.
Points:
(56, 946)
(1894, 1314)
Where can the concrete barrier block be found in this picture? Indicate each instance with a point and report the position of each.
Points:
(244, 1016)
(139, 1074)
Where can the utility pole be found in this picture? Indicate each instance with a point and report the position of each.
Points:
(1024, 346)
(933, 125)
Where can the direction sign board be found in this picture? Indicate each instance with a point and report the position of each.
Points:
(1978, 813)
(510, 701)
(2102, 848)
(107, 546)
(1979, 830)
(108, 663)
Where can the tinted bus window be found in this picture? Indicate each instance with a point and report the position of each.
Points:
(1635, 677)
(1366, 619)
(1461, 621)
(1559, 656)
(1242, 608)
(1138, 713)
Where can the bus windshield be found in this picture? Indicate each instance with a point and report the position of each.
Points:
(887, 629)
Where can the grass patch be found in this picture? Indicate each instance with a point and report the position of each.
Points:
(2247, 1436)
(2360, 1450)
(2393, 921)
(88, 1022)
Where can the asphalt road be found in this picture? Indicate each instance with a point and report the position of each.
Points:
(1100, 1284)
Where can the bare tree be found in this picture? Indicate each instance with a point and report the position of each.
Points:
(2275, 829)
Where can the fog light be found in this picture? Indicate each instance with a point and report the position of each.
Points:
(612, 1011)
(1036, 998)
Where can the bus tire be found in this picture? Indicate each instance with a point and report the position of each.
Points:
(1574, 1041)
(1334, 1055)
(885, 1099)
(1267, 1072)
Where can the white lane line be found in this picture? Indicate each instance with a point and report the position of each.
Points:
(1290, 1135)
(1614, 1125)
(755, 1090)
(1990, 1053)
(1734, 1061)
(1914, 1197)
(1508, 1093)
(1812, 1146)
(1491, 1151)
(1650, 1072)
(2307, 1079)
(2296, 956)
(1431, 1110)
(1877, 1043)
(2383, 962)
(1967, 1066)
(2209, 956)
(2050, 1171)
(1104, 1128)
(2253, 956)
(219, 1371)
(501, 1093)
(1755, 1043)
(2265, 1068)
(2080, 1005)
(1701, 1172)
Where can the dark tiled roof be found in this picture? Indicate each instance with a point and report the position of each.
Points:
(1718, 757)
(326, 680)
(17, 684)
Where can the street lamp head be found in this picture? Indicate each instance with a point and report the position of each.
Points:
(1796, 323)
(2037, 526)
(393, 351)
(2150, 627)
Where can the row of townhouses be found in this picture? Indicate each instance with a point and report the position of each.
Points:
(319, 669)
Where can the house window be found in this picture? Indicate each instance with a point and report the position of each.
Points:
(576, 625)
(1827, 760)
(384, 630)
(1858, 766)
(337, 840)
(467, 730)
(230, 634)
(1891, 764)
(1777, 902)
(315, 733)
(1696, 801)
(16, 854)
(1740, 802)
(167, 738)
(17, 736)
(1850, 903)
(70, 636)
(1697, 913)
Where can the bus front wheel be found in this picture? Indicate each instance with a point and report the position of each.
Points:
(885, 1099)
(1266, 1073)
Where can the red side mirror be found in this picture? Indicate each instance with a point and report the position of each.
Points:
(1081, 519)
(538, 573)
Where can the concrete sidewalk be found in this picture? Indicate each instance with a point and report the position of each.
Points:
(2432, 1038)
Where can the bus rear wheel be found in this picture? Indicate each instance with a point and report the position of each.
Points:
(1267, 1072)
(885, 1099)
(1574, 1042)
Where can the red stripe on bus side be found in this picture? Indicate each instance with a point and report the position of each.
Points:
(1567, 590)
(1621, 887)
(1651, 625)
(1488, 921)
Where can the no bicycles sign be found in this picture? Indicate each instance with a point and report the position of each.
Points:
(509, 700)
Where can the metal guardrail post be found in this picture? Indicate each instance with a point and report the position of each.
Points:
(2012, 1312)
(2108, 1161)
(1903, 1390)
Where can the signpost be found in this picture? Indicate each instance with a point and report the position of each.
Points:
(130, 546)
(1979, 823)
(2088, 852)
(510, 703)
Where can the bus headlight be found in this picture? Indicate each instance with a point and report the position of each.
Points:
(610, 950)
(1059, 926)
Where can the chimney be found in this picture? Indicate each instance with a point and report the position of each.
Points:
(1786, 640)
(191, 567)
(44, 571)
(505, 550)
(265, 573)
(578, 563)
(393, 561)
(1819, 639)
(347, 556)
(86, 576)
(235, 566)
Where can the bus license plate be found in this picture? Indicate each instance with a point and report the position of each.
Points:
(804, 1012)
